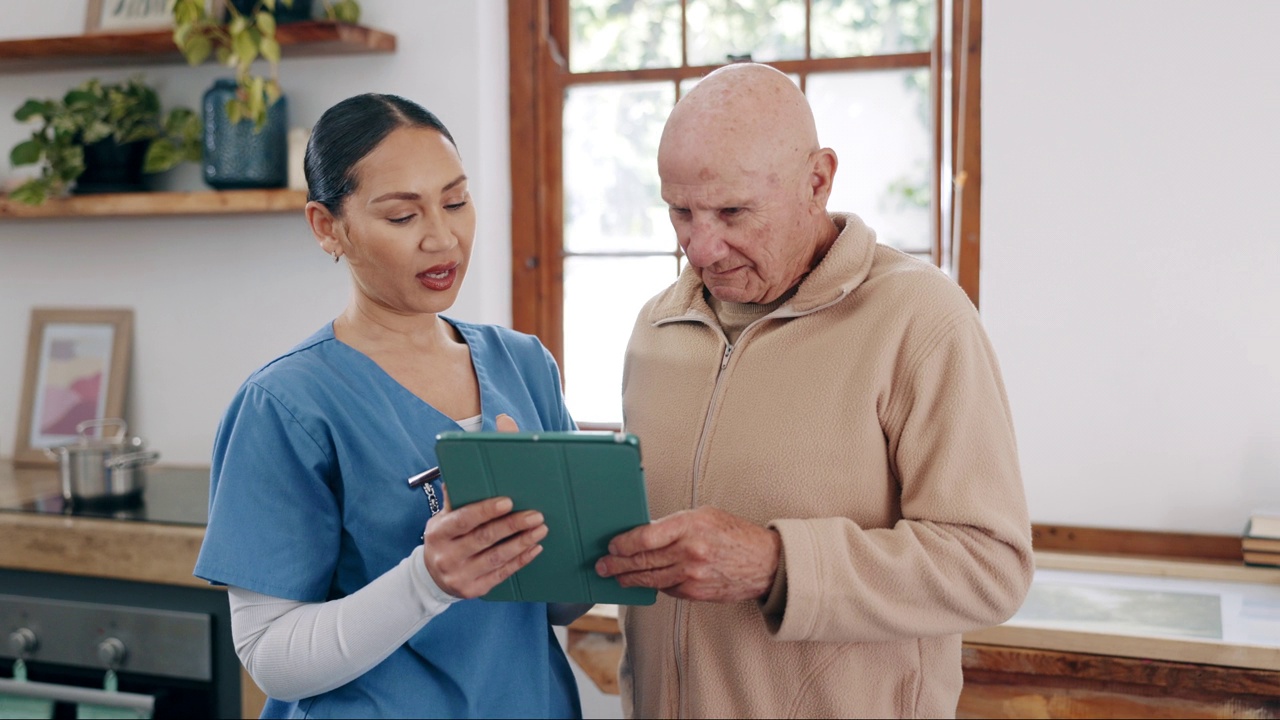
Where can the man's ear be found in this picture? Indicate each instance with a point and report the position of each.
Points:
(324, 226)
(822, 172)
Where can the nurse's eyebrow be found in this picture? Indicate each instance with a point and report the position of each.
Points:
(415, 196)
(396, 196)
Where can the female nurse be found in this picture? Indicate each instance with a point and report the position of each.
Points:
(341, 605)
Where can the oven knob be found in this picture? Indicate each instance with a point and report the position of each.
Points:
(112, 652)
(23, 642)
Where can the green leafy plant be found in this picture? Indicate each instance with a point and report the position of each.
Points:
(237, 44)
(243, 39)
(179, 141)
(93, 112)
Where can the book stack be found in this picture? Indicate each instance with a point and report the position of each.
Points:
(1261, 541)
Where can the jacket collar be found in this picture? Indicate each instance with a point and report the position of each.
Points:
(840, 271)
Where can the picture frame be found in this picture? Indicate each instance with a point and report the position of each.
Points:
(123, 16)
(77, 369)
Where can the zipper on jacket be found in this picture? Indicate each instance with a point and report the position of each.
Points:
(702, 441)
(716, 392)
(678, 625)
(693, 503)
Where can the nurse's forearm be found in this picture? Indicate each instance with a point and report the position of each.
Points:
(295, 650)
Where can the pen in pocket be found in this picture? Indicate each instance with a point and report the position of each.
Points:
(423, 478)
(426, 481)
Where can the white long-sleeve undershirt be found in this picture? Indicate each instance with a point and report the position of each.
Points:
(294, 650)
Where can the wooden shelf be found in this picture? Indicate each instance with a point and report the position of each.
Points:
(99, 50)
(300, 39)
(139, 204)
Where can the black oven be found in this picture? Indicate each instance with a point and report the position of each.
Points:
(169, 646)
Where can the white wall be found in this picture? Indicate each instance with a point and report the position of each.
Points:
(216, 297)
(1131, 255)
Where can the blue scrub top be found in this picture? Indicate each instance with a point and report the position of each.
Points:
(308, 502)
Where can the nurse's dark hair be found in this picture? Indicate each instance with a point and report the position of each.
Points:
(348, 131)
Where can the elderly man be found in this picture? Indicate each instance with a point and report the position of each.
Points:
(826, 439)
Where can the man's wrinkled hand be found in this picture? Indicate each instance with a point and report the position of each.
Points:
(702, 554)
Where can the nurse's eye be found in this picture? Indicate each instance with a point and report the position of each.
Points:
(400, 220)
(455, 206)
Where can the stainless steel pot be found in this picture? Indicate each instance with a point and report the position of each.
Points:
(106, 468)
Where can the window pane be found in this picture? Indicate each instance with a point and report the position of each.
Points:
(612, 198)
(842, 28)
(602, 296)
(623, 34)
(687, 84)
(767, 30)
(879, 125)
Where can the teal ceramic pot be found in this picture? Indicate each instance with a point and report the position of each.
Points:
(236, 157)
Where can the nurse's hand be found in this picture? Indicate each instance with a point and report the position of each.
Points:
(470, 550)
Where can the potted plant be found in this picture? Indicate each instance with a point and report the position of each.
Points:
(101, 138)
(246, 138)
(244, 38)
(244, 34)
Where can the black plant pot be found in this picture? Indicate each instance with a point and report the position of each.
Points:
(235, 155)
(112, 167)
(300, 10)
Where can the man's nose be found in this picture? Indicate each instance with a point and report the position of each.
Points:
(704, 246)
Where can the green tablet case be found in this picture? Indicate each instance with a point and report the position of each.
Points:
(589, 487)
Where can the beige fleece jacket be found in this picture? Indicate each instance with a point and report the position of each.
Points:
(866, 421)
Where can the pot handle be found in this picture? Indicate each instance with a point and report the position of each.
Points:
(132, 460)
(100, 423)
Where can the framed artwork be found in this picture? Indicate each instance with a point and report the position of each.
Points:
(76, 370)
(113, 16)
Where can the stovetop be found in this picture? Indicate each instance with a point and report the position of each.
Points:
(172, 495)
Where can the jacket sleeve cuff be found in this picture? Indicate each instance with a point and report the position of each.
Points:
(790, 611)
(775, 603)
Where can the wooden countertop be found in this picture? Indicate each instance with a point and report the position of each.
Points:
(152, 552)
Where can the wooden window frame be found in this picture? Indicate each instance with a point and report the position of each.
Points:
(538, 32)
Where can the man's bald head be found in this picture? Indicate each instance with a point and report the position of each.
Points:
(746, 183)
(748, 110)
